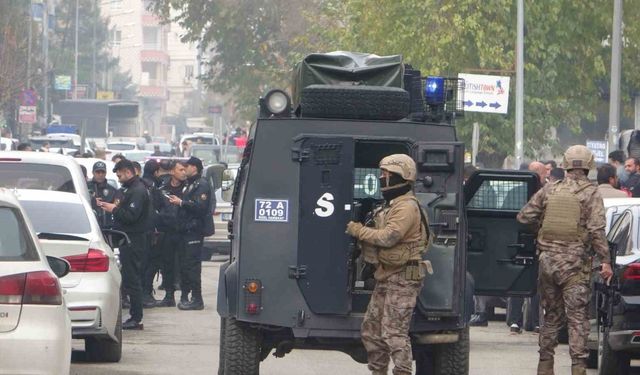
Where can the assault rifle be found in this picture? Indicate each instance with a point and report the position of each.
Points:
(607, 294)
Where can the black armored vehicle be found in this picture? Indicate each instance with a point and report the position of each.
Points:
(294, 279)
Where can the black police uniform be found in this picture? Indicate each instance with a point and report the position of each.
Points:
(196, 207)
(151, 259)
(106, 193)
(171, 225)
(133, 216)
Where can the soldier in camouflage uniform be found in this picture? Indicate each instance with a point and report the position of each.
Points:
(570, 218)
(399, 238)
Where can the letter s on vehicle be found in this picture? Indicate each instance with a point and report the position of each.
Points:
(325, 207)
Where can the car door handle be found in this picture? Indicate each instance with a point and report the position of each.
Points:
(518, 260)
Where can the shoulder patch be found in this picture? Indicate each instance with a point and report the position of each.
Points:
(203, 197)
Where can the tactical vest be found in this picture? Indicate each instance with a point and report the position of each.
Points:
(562, 215)
(403, 252)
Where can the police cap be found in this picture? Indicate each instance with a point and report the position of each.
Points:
(99, 166)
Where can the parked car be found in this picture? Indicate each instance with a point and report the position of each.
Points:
(92, 288)
(198, 138)
(35, 331)
(219, 242)
(68, 143)
(42, 171)
(612, 348)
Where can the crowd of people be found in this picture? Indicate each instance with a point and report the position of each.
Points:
(165, 209)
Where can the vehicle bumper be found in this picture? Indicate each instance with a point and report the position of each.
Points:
(625, 340)
(94, 305)
(39, 345)
(219, 245)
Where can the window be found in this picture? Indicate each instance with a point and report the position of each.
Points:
(15, 242)
(115, 4)
(188, 72)
(36, 176)
(45, 217)
(499, 195)
(115, 37)
(620, 233)
(150, 38)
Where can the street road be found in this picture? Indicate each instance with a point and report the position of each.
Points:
(175, 342)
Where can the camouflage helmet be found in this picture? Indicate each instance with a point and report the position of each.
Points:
(400, 164)
(578, 157)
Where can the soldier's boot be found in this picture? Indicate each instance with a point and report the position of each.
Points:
(196, 304)
(167, 301)
(184, 300)
(579, 368)
(545, 367)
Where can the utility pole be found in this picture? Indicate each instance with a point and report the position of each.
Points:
(616, 66)
(45, 52)
(30, 25)
(75, 59)
(94, 86)
(519, 150)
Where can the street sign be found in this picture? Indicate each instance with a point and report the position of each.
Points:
(81, 92)
(599, 149)
(484, 93)
(215, 109)
(28, 97)
(104, 95)
(63, 83)
(27, 114)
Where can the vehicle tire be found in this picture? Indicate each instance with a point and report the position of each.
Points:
(424, 361)
(453, 359)
(223, 323)
(592, 361)
(355, 102)
(611, 362)
(105, 350)
(563, 335)
(241, 348)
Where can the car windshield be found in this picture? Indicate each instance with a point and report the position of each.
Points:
(207, 155)
(216, 154)
(36, 176)
(45, 217)
(120, 146)
(55, 143)
(15, 243)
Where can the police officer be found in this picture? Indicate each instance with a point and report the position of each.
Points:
(570, 219)
(400, 237)
(100, 189)
(133, 216)
(171, 227)
(196, 206)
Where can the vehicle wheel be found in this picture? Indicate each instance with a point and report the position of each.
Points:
(563, 335)
(424, 361)
(611, 362)
(592, 361)
(355, 102)
(241, 348)
(105, 350)
(453, 359)
(222, 346)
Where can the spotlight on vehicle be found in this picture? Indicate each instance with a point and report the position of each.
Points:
(275, 103)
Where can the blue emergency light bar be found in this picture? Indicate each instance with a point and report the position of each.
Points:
(434, 90)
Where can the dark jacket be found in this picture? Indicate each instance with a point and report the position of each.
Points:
(134, 212)
(106, 193)
(196, 205)
(633, 185)
(170, 218)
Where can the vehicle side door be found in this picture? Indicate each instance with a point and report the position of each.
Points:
(501, 253)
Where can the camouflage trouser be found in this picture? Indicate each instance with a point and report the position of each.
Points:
(563, 285)
(385, 329)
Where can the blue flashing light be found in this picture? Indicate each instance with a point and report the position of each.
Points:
(434, 90)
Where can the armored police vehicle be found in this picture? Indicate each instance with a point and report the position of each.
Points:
(294, 279)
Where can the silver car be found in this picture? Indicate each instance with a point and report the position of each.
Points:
(67, 228)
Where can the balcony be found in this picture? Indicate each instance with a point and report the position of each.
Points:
(152, 91)
(149, 19)
(154, 55)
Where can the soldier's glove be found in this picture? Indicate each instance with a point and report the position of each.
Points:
(353, 228)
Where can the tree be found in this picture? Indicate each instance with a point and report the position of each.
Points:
(247, 43)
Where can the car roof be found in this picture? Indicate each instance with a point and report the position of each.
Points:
(8, 198)
(50, 158)
(47, 196)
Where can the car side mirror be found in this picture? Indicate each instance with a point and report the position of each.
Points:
(115, 238)
(59, 266)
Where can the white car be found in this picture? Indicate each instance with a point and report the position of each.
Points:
(69, 143)
(219, 242)
(42, 171)
(35, 331)
(198, 138)
(67, 228)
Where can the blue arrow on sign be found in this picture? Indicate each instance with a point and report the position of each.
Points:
(495, 105)
(468, 103)
(481, 104)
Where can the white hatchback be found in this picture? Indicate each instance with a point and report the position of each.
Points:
(35, 331)
(67, 228)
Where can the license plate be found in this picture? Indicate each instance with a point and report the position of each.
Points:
(226, 217)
